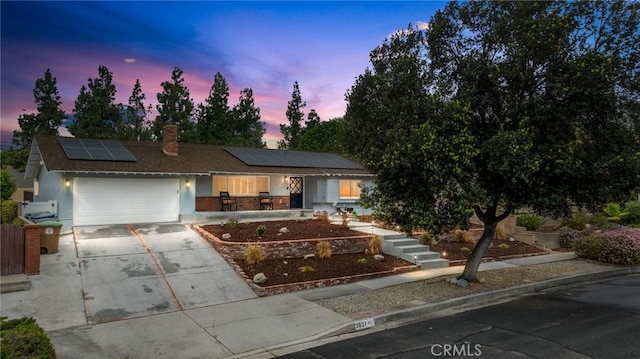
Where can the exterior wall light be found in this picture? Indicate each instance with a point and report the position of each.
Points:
(187, 183)
(67, 183)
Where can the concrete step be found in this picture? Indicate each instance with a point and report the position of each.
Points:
(434, 263)
(420, 256)
(14, 283)
(401, 242)
(396, 236)
(412, 248)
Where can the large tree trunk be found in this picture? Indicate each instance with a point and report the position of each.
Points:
(490, 221)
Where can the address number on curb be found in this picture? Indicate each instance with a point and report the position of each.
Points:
(366, 323)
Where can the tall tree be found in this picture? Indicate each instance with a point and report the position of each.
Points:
(46, 121)
(96, 113)
(506, 104)
(327, 136)
(214, 118)
(136, 125)
(312, 120)
(248, 129)
(295, 115)
(175, 107)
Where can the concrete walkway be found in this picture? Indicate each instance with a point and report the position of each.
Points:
(66, 297)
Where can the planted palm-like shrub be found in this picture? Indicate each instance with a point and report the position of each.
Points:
(324, 249)
(254, 254)
(530, 220)
(375, 245)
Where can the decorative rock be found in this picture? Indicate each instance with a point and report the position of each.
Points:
(279, 234)
(511, 239)
(307, 256)
(462, 283)
(378, 257)
(259, 278)
(453, 280)
(226, 236)
(283, 230)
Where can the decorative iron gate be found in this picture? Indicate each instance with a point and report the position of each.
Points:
(12, 249)
(295, 192)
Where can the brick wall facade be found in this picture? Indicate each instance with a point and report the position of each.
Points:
(244, 203)
(32, 249)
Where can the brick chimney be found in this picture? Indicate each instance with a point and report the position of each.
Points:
(170, 140)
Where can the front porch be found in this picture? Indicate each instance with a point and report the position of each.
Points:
(245, 203)
(216, 217)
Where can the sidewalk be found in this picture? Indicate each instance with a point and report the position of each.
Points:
(254, 328)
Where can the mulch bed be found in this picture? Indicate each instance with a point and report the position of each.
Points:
(286, 271)
(296, 230)
(457, 256)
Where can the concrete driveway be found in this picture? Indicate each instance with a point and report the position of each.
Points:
(133, 271)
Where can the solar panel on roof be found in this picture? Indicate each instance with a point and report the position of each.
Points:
(282, 158)
(95, 150)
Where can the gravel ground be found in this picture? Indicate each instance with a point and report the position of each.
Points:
(366, 304)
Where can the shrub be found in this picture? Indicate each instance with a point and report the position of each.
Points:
(428, 239)
(23, 338)
(632, 208)
(504, 246)
(569, 236)
(324, 249)
(7, 184)
(599, 220)
(375, 245)
(362, 261)
(345, 221)
(462, 237)
(500, 235)
(234, 219)
(617, 247)
(615, 212)
(9, 211)
(305, 269)
(254, 254)
(465, 249)
(323, 216)
(577, 221)
(530, 220)
(260, 230)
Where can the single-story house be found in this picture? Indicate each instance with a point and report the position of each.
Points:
(112, 182)
(24, 187)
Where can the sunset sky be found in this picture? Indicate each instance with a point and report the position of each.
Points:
(263, 45)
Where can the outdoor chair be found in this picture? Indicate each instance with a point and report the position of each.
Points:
(266, 201)
(228, 203)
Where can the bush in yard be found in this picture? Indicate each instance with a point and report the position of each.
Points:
(375, 245)
(7, 184)
(578, 221)
(530, 220)
(632, 208)
(569, 236)
(620, 246)
(9, 211)
(254, 254)
(500, 235)
(23, 338)
(462, 237)
(260, 230)
(324, 249)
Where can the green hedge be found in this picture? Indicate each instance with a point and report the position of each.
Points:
(23, 338)
(9, 211)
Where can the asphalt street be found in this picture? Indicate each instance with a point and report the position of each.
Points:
(594, 320)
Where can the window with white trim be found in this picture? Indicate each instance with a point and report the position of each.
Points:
(350, 188)
(240, 185)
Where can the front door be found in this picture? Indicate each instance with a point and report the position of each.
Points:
(295, 192)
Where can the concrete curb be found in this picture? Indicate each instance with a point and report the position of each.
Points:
(422, 312)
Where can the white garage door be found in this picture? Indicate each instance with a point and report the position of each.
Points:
(124, 200)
